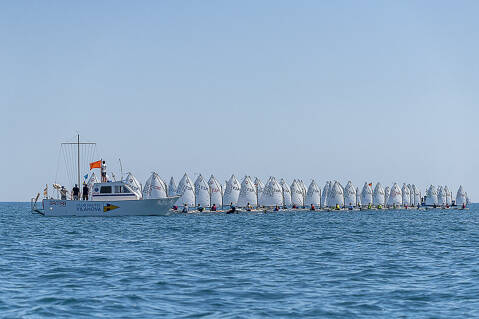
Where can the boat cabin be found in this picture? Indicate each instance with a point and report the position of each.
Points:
(113, 191)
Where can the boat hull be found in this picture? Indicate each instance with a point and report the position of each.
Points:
(143, 207)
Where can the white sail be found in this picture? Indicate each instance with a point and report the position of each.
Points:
(247, 193)
(366, 195)
(146, 188)
(411, 194)
(313, 195)
(181, 185)
(395, 196)
(232, 191)
(297, 198)
(172, 187)
(468, 201)
(431, 196)
(448, 196)
(216, 195)
(303, 188)
(286, 193)
(416, 195)
(272, 194)
(223, 188)
(441, 196)
(258, 184)
(461, 197)
(336, 195)
(134, 184)
(156, 187)
(406, 195)
(387, 192)
(187, 191)
(358, 197)
(349, 194)
(202, 192)
(324, 195)
(379, 196)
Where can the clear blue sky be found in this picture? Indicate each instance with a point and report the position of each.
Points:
(348, 90)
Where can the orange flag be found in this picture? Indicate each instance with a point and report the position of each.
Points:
(96, 164)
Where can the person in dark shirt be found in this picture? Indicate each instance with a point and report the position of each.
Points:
(85, 191)
(76, 192)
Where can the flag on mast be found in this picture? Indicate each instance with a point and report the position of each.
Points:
(96, 164)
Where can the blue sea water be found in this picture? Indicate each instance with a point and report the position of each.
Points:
(385, 264)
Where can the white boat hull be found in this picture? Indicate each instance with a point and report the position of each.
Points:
(142, 207)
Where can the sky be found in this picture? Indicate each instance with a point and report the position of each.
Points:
(371, 91)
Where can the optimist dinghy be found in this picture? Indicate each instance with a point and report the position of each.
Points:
(119, 198)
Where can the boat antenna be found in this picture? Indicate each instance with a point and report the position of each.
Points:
(121, 169)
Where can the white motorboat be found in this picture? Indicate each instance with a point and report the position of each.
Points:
(118, 198)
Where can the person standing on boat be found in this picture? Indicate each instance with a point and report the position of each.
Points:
(76, 192)
(103, 172)
(63, 193)
(85, 191)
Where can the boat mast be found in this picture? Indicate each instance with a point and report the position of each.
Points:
(78, 145)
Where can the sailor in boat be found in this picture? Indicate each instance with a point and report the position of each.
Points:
(85, 191)
(213, 208)
(312, 207)
(248, 207)
(337, 207)
(76, 192)
(175, 207)
(276, 208)
(199, 208)
(185, 208)
(232, 209)
(294, 206)
(350, 207)
(463, 205)
(63, 193)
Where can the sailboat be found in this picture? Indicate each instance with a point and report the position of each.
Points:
(154, 187)
(297, 198)
(431, 196)
(172, 187)
(448, 196)
(395, 196)
(324, 194)
(379, 197)
(366, 195)
(349, 195)
(232, 191)
(258, 184)
(387, 192)
(202, 192)
(441, 196)
(461, 197)
(313, 195)
(287, 201)
(272, 194)
(247, 195)
(336, 195)
(406, 195)
(216, 195)
(186, 190)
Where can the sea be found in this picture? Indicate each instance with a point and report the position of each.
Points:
(360, 264)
